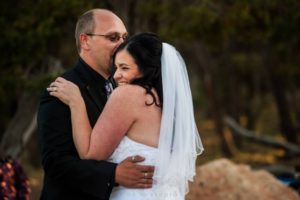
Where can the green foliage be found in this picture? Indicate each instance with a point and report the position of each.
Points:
(244, 41)
(33, 31)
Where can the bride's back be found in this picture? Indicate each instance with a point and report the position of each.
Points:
(146, 126)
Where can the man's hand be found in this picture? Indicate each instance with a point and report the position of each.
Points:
(130, 174)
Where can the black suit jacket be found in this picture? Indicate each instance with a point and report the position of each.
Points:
(66, 175)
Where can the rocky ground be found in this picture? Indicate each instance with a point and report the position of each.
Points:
(221, 179)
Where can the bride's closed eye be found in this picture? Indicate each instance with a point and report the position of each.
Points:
(125, 68)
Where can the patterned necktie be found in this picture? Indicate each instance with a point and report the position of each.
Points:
(108, 88)
(110, 85)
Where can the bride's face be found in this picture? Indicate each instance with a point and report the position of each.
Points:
(126, 68)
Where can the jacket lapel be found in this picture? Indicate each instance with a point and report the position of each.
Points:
(99, 98)
(91, 89)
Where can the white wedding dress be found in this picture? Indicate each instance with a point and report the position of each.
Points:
(179, 141)
(129, 147)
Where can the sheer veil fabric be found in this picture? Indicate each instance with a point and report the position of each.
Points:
(179, 142)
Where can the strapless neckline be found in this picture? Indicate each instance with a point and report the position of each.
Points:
(128, 148)
(138, 143)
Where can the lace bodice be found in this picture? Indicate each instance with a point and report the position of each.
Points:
(129, 147)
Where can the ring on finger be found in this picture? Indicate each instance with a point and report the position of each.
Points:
(145, 175)
(133, 158)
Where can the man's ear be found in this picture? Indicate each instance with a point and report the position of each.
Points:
(84, 42)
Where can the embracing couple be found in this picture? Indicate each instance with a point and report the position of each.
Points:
(135, 141)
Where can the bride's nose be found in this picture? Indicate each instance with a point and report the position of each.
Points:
(117, 75)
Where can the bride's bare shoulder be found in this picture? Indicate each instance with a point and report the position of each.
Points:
(129, 93)
(133, 89)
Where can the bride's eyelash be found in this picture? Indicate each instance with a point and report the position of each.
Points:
(124, 68)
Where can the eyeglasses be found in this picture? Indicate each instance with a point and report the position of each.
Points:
(114, 37)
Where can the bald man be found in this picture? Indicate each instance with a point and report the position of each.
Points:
(98, 33)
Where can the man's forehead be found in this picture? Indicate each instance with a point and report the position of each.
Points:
(111, 28)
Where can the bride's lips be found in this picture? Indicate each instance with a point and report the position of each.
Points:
(122, 83)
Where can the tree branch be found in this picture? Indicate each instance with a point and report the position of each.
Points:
(291, 149)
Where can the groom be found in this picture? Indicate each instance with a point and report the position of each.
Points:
(98, 33)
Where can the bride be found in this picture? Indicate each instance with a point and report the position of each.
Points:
(150, 114)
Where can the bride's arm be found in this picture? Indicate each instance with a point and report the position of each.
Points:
(81, 128)
(113, 123)
(69, 94)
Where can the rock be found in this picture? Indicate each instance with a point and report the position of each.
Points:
(223, 180)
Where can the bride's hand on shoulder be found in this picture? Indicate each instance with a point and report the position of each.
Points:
(66, 91)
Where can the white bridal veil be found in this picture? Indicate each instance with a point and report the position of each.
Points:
(179, 142)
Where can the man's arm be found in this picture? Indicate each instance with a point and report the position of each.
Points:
(62, 163)
(59, 157)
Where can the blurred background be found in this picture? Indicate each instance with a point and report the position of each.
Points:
(243, 59)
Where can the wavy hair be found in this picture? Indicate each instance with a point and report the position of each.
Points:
(146, 50)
